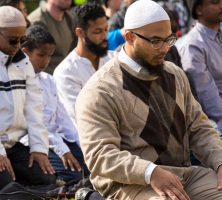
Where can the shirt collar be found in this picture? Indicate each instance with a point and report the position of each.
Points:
(7, 60)
(38, 75)
(77, 56)
(124, 58)
(138, 70)
(4, 58)
(208, 31)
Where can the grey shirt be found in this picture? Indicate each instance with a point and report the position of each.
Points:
(201, 56)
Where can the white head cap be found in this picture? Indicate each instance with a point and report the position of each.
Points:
(11, 17)
(144, 12)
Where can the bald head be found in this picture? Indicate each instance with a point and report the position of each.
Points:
(11, 17)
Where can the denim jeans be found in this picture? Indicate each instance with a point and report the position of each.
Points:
(5, 179)
(19, 157)
(66, 174)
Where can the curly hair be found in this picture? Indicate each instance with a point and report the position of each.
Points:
(87, 12)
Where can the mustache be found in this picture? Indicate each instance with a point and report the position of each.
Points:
(105, 41)
(161, 55)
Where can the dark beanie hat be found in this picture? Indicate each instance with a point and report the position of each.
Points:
(192, 4)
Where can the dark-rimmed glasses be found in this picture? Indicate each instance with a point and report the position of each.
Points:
(13, 40)
(158, 43)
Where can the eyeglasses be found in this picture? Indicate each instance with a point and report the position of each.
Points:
(158, 43)
(13, 40)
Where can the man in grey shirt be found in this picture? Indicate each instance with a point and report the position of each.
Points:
(201, 54)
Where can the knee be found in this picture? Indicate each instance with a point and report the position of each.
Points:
(5, 179)
(46, 179)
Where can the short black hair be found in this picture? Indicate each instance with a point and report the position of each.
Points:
(192, 5)
(86, 12)
(174, 19)
(37, 35)
(196, 3)
(106, 3)
(13, 3)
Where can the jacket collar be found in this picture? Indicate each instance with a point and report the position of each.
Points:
(7, 60)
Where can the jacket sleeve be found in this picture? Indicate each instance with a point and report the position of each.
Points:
(66, 126)
(65, 129)
(57, 145)
(2, 149)
(100, 139)
(37, 133)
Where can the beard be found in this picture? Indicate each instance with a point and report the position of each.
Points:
(153, 69)
(64, 7)
(96, 48)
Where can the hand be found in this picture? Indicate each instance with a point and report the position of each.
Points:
(43, 161)
(69, 160)
(5, 164)
(219, 177)
(167, 184)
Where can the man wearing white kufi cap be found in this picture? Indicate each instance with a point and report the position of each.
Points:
(137, 120)
(20, 109)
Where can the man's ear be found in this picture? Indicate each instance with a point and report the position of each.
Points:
(25, 50)
(129, 37)
(79, 32)
(198, 10)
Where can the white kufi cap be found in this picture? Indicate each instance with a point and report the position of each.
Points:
(11, 17)
(144, 12)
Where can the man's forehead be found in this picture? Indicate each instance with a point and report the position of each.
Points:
(160, 25)
(101, 21)
(13, 31)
